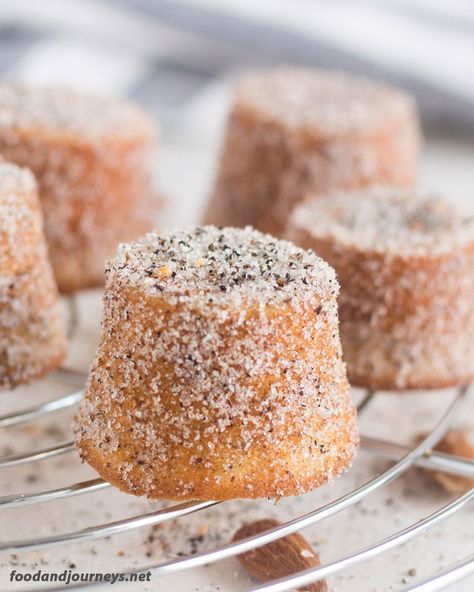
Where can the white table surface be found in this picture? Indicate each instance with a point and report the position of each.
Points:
(185, 170)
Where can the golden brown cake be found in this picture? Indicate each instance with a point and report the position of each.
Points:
(32, 331)
(406, 268)
(91, 156)
(219, 371)
(295, 130)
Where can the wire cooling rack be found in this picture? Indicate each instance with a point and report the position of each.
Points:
(403, 459)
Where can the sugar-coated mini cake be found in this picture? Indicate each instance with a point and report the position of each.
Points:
(91, 156)
(32, 331)
(406, 268)
(294, 130)
(219, 371)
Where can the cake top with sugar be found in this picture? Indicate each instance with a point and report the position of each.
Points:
(51, 110)
(328, 102)
(386, 220)
(15, 179)
(20, 215)
(222, 265)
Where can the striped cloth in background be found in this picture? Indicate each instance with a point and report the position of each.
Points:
(177, 57)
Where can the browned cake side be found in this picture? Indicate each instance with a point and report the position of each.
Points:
(92, 159)
(294, 130)
(219, 371)
(32, 332)
(406, 268)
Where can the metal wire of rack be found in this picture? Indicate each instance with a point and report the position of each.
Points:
(404, 457)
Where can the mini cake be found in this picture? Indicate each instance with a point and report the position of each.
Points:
(219, 371)
(406, 268)
(294, 130)
(92, 159)
(32, 331)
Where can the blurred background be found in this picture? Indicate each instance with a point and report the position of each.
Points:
(178, 58)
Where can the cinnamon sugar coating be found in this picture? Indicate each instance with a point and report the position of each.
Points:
(295, 130)
(406, 268)
(219, 371)
(32, 331)
(91, 156)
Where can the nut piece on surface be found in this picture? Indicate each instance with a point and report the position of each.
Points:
(283, 557)
(458, 443)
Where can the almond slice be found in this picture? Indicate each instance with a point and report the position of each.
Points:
(283, 557)
(458, 443)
